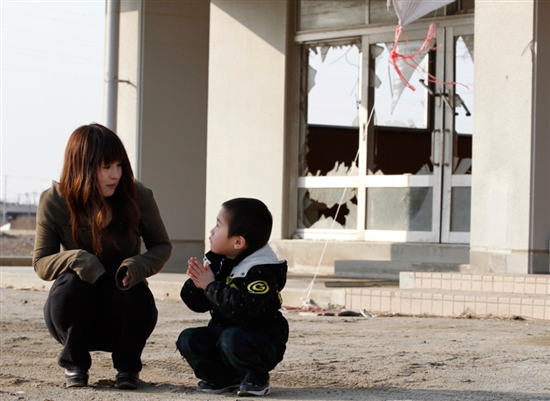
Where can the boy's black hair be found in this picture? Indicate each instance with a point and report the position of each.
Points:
(251, 219)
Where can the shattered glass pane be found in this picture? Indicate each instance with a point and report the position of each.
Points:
(319, 14)
(318, 207)
(333, 85)
(464, 104)
(401, 152)
(329, 133)
(461, 203)
(330, 151)
(403, 209)
(464, 76)
(396, 106)
(401, 139)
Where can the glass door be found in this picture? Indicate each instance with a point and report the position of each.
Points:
(458, 122)
(404, 141)
(378, 160)
(419, 146)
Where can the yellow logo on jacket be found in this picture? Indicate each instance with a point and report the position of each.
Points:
(258, 287)
(230, 283)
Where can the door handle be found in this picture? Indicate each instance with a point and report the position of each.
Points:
(446, 138)
(436, 156)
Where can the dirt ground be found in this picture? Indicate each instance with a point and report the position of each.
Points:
(328, 358)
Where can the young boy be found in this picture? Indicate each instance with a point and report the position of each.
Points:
(240, 284)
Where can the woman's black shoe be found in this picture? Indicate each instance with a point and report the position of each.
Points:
(127, 380)
(76, 378)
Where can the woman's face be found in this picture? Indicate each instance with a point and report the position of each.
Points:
(108, 176)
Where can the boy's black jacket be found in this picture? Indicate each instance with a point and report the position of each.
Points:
(246, 293)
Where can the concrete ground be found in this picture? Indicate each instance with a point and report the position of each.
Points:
(333, 358)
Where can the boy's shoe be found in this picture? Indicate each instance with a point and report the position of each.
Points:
(249, 389)
(76, 378)
(212, 389)
(127, 380)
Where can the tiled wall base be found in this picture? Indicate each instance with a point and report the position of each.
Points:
(456, 294)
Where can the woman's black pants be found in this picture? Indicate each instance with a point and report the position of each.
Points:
(87, 317)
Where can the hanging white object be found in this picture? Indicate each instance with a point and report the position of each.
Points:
(410, 10)
(398, 59)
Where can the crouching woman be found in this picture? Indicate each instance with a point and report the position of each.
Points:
(88, 239)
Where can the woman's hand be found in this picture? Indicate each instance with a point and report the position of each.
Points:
(201, 275)
(127, 279)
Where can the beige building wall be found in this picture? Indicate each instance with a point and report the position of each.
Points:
(204, 117)
(510, 200)
(246, 106)
(162, 118)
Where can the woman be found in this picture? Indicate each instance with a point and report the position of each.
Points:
(98, 214)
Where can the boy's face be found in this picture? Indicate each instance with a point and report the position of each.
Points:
(220, 243)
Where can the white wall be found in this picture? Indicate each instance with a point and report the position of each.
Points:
(502, 238)
(246, 103)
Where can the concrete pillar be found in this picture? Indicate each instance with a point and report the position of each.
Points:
(511, 151)
(162, 112)
(128, 72)
(246, 106)
(112, 35)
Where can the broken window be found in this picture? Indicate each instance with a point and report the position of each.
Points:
(464, 104)
(401, 140)
(329, 139)
(401, 174)
(319, 208)
(464, 110)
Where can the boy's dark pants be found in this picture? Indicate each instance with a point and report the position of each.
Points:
(87, 317)
(226, 355)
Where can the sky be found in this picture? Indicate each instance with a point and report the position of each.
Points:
(52, 82)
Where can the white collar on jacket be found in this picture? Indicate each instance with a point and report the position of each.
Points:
(263, 256)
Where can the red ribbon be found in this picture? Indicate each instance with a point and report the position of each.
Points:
(410, 58)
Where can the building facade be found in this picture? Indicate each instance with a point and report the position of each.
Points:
(299, 103)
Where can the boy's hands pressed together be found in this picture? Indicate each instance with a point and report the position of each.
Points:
(201, 275)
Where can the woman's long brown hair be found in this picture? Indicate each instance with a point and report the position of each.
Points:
(90, 147)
